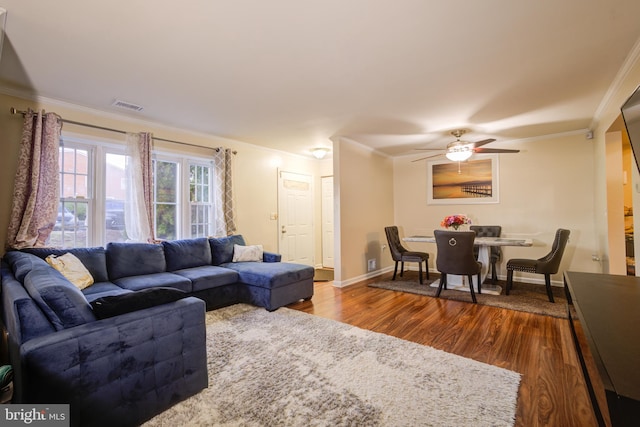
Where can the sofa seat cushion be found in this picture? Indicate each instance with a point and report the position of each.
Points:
(64, 304)
(135, 283)
(270, 275)
(134, 259)
(187, 253)
(103, 289)
(209, 276)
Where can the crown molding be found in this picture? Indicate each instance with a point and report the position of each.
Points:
(29, 96)
(337, 138)
(630, 62)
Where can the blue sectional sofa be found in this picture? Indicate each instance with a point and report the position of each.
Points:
(122, 368)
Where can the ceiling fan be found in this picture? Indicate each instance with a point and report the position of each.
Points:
(459, 151)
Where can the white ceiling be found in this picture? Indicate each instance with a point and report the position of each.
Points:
(291, 74)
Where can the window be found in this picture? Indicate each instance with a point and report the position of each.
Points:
(200, 200)
(93, 195)
(165, 185)
(114, 198)
(70, 228)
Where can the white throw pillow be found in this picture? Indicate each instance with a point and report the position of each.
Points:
(247, 253)
(71, 268)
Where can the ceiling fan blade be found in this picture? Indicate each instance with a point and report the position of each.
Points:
(483, 142)
(424, 158)
(430, 149)
(494, 150)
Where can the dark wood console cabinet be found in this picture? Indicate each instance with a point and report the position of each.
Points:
(604, 313)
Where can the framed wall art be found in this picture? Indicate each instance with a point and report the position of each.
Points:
(470, 182)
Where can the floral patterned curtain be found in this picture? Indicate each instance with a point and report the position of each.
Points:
(36, 194)
(225, 223)
(139, 206)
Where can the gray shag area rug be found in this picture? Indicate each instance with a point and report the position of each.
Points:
(288, 368)
(528, 297)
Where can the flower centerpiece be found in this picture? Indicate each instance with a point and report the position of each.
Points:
(455, 221)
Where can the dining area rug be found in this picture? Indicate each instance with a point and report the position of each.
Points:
(527, 297)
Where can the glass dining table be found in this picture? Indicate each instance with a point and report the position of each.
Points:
(484, 243)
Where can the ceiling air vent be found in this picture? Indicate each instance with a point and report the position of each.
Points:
(127, 105)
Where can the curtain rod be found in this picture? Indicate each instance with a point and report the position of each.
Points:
(16, 111)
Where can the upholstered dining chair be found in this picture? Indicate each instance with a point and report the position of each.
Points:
(455, 256)
(495, 254)
(547, 265)
(401, 255)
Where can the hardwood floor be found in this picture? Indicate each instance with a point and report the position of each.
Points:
(552, 391)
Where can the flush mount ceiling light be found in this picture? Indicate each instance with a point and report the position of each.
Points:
(319, 152)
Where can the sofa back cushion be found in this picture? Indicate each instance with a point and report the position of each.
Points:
(222, 248)
(63, 304)
(22, 263)
(94, 259)
(21, 315)
(134, 259)
(187, 253)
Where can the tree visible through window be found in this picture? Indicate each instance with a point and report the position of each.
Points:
(166, 199)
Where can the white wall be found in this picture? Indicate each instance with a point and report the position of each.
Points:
(364, 205)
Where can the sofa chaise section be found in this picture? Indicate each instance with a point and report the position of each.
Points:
(271, 283)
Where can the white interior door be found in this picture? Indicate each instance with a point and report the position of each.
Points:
(327, 221)
(295, 213)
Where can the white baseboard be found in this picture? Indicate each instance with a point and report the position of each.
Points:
(533, 280)
(357, 279)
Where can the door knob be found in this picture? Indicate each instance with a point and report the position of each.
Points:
(283, 230)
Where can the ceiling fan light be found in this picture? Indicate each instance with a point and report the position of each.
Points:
(319, 152)
(458, 154)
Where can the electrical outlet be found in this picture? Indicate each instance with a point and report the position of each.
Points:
(371, 264)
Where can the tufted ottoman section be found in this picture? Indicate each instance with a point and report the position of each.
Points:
(125, 369)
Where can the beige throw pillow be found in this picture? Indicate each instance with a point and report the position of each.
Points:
(71, 268)
(247, 253)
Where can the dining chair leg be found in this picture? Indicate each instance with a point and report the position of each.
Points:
(420, 271)
(494, 275)
(547, 282)
(473, 294)
(395, 270)
(509, 281)
(479, 284)
(426, 269)
(443, 283)
(401, 268)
